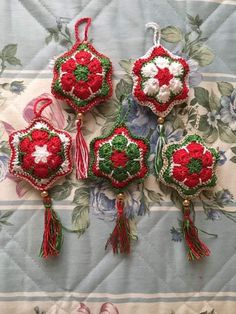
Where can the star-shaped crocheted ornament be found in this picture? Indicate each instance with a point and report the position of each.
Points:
(160, 80)
(189, 166)
(40, 154)
(119, 157)
(82, 77)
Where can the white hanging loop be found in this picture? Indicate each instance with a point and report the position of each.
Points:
(157, 32)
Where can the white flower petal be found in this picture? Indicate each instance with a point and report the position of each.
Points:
(151, 87)
(164, 94)
(175, 85)
(149, 70)
(176, 68)
(162, 62)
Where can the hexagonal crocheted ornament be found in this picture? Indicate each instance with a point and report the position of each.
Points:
(160, 78)
(82, 78)
(120, 158)
(190, 167)
(41, 154)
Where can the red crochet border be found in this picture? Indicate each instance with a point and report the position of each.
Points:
(93, 102)
(158, 108)
(29, 179)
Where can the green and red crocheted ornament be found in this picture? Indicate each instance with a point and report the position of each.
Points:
(40, 154)
(190, 167)
(120, 158)
(82, 78)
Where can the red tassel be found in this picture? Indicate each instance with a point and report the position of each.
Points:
(81, 152)
(52, 236)
(196, 248)
(120, 237)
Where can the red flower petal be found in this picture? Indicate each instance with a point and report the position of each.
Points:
(41, 172)
(95, 82)
(69, 66)
(180, 173)
(83, 57)
(81, 90)
(54, 161)
(54, 145)
(207, 159)
(27, 162)
(26, 145)
(181, 157)
(192, 180)
(95, 66)
(68, 81)
(195, 149)
(205, 174)
(39, 135)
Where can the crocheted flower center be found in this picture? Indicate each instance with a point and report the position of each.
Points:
(81, 73)
(119, 159)
(164, 76)
(40, 154)
(195, 165)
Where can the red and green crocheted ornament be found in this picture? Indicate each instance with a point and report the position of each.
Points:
(190, 167)
(160, 82)
(120, 158)
(82, 78)
(40, 154)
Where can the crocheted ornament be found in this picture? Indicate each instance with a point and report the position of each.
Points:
(120, 158)
(40, 154)
(190, 167)
(160, 82)
(82, 78)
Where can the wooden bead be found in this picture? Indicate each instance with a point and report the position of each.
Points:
(160, 120)
(120, 196)
(44, 194)
(186, 203)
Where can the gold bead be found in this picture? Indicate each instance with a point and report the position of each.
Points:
(80, 116)
(186, 203)
(160, 120)
(44, 194)
(120, 196)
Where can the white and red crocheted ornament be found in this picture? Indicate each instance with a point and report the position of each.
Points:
(41, 154)
(160, 78)
(82, 77)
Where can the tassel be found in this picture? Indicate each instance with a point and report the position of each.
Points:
(196, 248)
(52, 236)
(120, 237)
(81, 152)
(160, 144)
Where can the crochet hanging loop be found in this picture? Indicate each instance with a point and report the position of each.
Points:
(196, 248)
(157, 32)
(47, 102)
(86, 20)
(161, 141)
(52, 236)
(119, 239)
(81, 151)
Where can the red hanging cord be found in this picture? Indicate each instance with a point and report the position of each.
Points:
(78, 23)
(48, 102)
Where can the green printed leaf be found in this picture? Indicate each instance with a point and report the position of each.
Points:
(214, 102)
(80, 215)
(172, 34)
(9, 51)
(61, 191)
(126, 65)
(233, 149)
(211, 136)
(202, 96)
(202, 54)
(13, 60)
(123, 89)
(155, 197)
(48, 39)
(203, 123)
(225, 88)
(233, 159)
(133, 229)
(226, 134)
